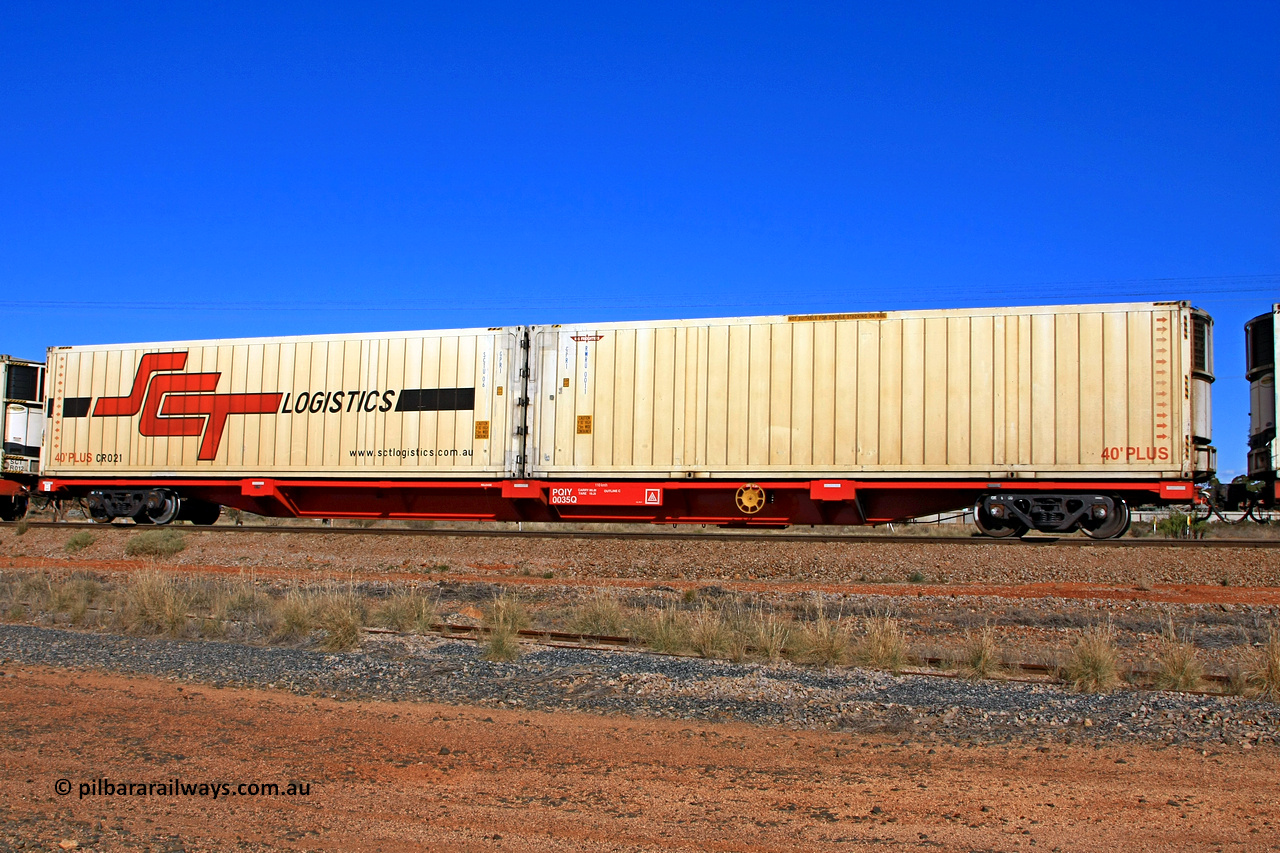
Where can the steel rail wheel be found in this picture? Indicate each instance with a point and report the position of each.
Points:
(1113, 526)
(997, 529)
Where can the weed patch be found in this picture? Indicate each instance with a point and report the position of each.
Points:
(1181, 526)
(156, 543)
(78, 541)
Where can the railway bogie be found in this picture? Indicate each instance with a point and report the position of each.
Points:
(1011, 514)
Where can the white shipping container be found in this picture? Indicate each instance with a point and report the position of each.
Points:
(414, 404)
(1080, 392)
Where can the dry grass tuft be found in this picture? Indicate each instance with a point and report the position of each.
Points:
(1093, 663)
(32, 595)
(1263, 677)
(503, 645)
(882, 644)
(10, 599)
(504, 618)
(408, 611)
(155, 604)
(239, 606)
(980, 657)
(340, 615)
(709, 636)
(823, 641)
(295, 616)
(506, 611)
(666, 631)
(1177, 666)
(601, 614)
(770, 635)
(740, 630)
(74, 597)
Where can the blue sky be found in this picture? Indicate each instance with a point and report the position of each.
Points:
(169, 171)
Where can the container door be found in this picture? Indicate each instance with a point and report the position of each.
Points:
(552, 357)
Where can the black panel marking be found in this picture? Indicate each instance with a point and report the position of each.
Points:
(436, 400)
(76, 407)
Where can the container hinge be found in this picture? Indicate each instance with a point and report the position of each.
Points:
(524, 371)
(522, 430)
(523, 401)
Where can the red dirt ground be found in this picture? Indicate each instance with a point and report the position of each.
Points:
(380, 780)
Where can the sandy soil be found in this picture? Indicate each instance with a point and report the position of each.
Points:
(393, 776)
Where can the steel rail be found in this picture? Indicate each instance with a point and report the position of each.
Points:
(1036, 541)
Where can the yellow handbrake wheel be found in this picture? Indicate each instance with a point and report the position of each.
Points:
(750, 499)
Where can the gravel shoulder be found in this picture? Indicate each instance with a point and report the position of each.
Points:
(423, 669)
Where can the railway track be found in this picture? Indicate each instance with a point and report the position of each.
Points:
(1034, 541)
(930, 665)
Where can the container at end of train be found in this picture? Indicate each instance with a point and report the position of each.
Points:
(1262, 334)
(399, 405)
(23, 384)
(22, 424)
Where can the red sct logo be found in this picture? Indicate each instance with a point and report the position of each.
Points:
(177, 404)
